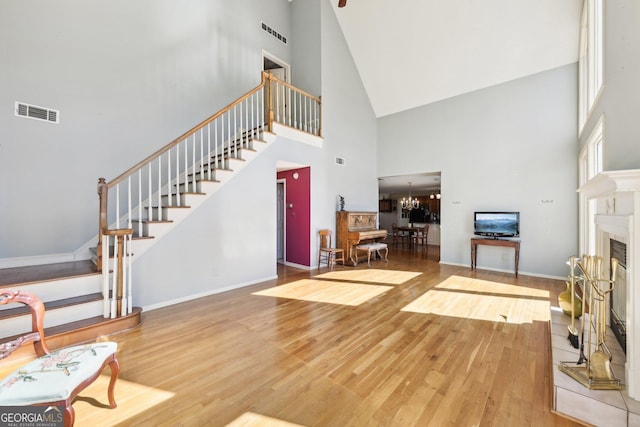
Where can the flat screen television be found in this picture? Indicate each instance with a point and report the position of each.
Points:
(496, 224)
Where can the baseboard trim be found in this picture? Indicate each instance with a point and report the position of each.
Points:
(300, 266)
(206, 294)
(520, 272)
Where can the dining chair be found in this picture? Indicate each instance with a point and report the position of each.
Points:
(398, 235)
(395, 234)
(420, 237)
(326, 253)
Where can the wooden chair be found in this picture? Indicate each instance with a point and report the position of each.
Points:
(56, 377)
(397, 235)
(326, 253)
(420, 238)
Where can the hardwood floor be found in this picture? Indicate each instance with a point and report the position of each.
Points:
(425, 345)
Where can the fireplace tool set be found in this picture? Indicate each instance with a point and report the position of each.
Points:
(595, 371)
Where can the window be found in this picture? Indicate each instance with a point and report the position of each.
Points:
(593, 149)
(590, 62)
(590, 164)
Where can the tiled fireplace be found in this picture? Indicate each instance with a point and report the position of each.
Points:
(617, 196)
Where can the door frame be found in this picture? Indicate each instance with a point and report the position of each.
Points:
(281, 217)
(278, 61)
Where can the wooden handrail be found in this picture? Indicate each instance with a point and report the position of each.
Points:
(290, 86)
(265, 76)
(191, 131)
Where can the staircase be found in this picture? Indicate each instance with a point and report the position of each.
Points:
(73, 302)
(89, 298)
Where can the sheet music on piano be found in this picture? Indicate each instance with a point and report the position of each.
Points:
(353, 228)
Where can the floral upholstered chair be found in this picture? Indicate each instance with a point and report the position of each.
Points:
(56, 377)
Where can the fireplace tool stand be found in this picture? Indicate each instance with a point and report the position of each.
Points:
(595, 371)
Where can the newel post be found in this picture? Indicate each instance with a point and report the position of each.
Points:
(270, 114)
(102, 219)
(320, 116)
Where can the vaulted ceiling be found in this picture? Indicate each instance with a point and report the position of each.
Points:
(414, 52)
(411, 53)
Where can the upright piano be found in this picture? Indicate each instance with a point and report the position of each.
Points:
(354, 228)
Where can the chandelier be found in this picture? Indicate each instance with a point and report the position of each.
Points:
(411, 203)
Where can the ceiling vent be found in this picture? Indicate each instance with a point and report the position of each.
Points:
(274, 33)
(37, 113)
(339, 161)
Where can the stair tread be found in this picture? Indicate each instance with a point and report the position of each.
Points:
(41, 273)
(168, 207)
(91, 321)
(210, 180)
(52, 305)
(86, 329)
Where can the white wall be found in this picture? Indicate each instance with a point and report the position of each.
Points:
(509, 147)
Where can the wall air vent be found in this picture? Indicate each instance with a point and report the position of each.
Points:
(339, 161)
(274, 33)
(38, 113)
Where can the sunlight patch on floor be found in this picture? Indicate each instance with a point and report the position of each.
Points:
(471, 298)
(250, 419)
(343, 293)
(487, 286)
(92, 408)
(371, 275)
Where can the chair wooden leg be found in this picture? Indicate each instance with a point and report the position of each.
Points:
(69, 414)
(114, 365)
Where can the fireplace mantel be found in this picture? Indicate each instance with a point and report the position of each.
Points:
(608, 183)
(617, 196)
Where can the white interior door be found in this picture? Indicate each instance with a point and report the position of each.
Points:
(279, 73)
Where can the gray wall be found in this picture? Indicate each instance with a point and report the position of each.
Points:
(306, 48)
(229, 241)
(620, 97)
(225, 244)
(127, 77)
(509, 147)
(349, 126)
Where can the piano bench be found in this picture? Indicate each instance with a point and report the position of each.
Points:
(372, 247)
